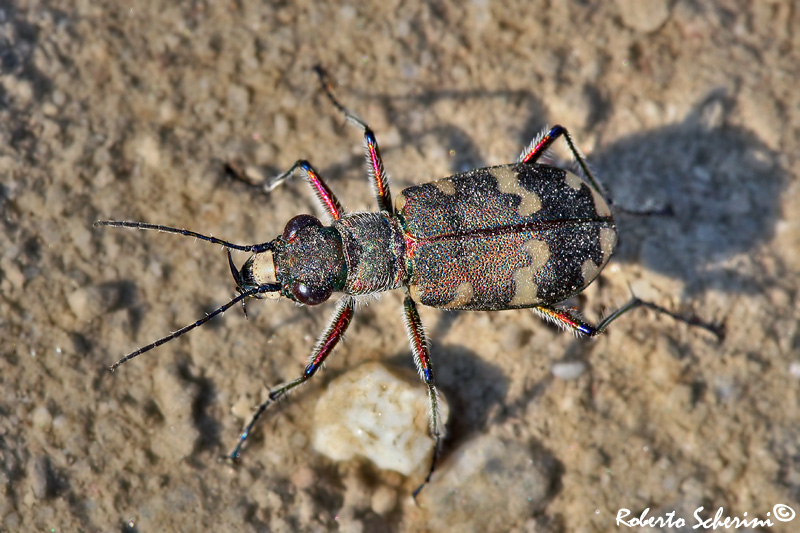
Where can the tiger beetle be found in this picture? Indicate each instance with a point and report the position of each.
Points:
(514, 236)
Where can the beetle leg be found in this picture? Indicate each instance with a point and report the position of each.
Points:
(377, 174)
(422, 358)
(330, 338)
(569, 320)
(566, 319)
(543, 141)
(324, 193)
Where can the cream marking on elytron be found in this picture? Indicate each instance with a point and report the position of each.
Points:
(464, 295)
(508, 183)
(399, 202)
(608, 240)
(445, 186)
(573, 181)
(600, 204)
(589, 270)
(525, 288)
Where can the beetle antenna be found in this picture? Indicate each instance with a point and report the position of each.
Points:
(272, 287)
(255, 248)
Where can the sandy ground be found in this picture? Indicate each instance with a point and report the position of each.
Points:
(130, 110)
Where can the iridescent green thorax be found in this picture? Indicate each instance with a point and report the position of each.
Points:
(374, 249)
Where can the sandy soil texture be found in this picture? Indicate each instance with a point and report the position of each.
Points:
(131, 110)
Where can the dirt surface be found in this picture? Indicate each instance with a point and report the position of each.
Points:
(130, 110)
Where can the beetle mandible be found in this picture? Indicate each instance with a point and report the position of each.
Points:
(521, 235)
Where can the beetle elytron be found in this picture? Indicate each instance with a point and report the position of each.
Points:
(522, 235)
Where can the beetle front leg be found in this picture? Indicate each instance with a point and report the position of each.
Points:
(337, 325)
(422, 358)
(324, 193)
(567, 319)
(377, 175)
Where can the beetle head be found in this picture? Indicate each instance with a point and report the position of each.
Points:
(306, 261)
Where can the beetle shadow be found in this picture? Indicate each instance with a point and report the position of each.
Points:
(721, 182)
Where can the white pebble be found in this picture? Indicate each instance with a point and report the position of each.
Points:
(378, 414)
(42, 418)
(383, 500)
(568, 369)
(644, 17)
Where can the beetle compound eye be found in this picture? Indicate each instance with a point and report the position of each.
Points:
(297, 223)
(310, 295)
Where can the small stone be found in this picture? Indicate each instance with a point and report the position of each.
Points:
(513, 337)
(12, 273)
(61, 426)
(304, 478)
(89, 302)
(644, 17)
(38, 472)
(486, 474)
(383, 500)
(379, 414)
(42, 418)
(243, 408)
(238, 99)
(568, 370)
(12, 521)
(148, 149)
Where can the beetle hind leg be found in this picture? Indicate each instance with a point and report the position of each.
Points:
(569, 319)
